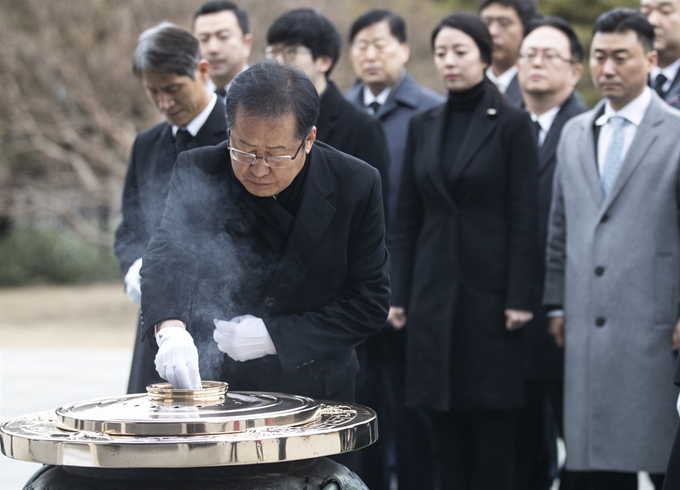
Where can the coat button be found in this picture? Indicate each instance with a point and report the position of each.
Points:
(599, 271)
(269, 302)
(600, 322)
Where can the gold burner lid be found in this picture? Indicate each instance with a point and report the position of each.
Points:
(165, 411)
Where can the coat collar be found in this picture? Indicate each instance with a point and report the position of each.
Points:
(644, 139)
(405, 93)
(482, 125)
(214, 130)
(571, 107)
(331, 107)
(312, 220)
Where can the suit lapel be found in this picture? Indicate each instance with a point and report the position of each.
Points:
(433, 134)
(311, 222)
(214, 130)
(645, 137)
(328, 116)
(568, 110)
(483, 123)
(587, 154)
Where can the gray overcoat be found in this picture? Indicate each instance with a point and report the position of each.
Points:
(614, 265)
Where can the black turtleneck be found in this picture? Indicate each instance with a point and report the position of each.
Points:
(460, 108)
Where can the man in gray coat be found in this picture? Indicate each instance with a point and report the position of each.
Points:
(613, 264)
(379, 51)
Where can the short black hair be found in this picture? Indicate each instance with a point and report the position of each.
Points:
(563, 26)
(214, 6)
(309, 28)
(270, 90)
(471, 25)
(166, 48)
(621, 20)
(396, 23)
(526, 9)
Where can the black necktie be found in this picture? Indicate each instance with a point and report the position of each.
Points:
(375, 106)
(538, 128)
(659, 83)
(183, 141)
(221, 92)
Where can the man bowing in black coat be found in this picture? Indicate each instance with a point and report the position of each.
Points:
(307, 39)
(169, 63)
(270, 262)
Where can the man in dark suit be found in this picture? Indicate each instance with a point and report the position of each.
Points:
(270, 262)
(664, 15)
(309, 40)
(672, 480)
(507, 21)
(168, 61)
(223, 31)
(550, 66)
(379, 52)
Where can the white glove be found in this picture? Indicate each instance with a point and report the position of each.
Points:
(133, 282)
(177, 358)
(243, 338)
(678, 405)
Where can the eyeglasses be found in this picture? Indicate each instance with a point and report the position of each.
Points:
(270, 161)
(380, 44)
(288, 53)
(503, 22)
(550, 57)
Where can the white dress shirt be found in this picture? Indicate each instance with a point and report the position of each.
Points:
(503, 80)
(633, 113)
(381, 98)
(197, 123)
(670, 72)
(545, 120)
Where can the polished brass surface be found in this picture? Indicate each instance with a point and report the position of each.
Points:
(211, 392)
(169, 412)
(337, 429)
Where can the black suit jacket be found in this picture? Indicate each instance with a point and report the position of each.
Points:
(351, 130)
(327, 291)
(544, 359)
(480, 237)
(513, 93)
(148, 180)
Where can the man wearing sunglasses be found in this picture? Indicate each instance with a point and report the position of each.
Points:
(270, 262)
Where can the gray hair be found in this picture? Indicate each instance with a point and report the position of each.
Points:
(166, 48)
(269, 90)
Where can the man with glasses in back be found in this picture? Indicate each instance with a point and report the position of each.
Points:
(550, 66)
(270, 262)
(664, 15)
(308, 40)
(507, 21)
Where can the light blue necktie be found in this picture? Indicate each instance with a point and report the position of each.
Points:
(613, 158)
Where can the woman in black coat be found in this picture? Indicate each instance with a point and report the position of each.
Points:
(465, 261)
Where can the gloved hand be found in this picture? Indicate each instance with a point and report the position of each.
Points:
(133, 282)
(177, 358)
(243, 338)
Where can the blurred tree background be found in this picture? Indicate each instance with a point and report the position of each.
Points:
(70, 108)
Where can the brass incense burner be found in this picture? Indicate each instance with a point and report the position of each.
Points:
(169, 428)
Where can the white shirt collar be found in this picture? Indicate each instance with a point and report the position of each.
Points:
(670, 72)
(547, 118)
(381, 98)
(503, 80)
(197, 123)
(633, 112)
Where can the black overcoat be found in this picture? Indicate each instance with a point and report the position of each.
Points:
(353, 131)
(543, 359)
(146, 188)
(327, 291)
(477, 241)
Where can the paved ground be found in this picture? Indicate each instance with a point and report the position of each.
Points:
(57, 346)
(60, 345)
